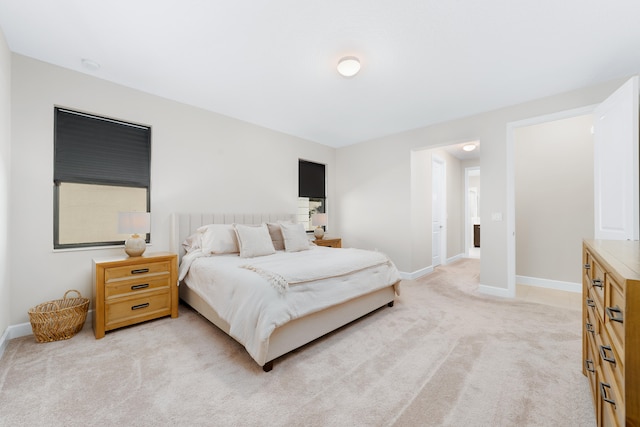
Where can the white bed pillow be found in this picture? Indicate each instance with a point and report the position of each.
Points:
(254, 240)
(295, 238)
(218, 239)
(276, 236)
(192, 242)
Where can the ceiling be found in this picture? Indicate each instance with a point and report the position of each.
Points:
(273, 63)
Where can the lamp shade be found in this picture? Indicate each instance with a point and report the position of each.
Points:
(319, 219)
(134, 222)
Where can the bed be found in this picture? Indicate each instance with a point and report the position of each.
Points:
(294, 298)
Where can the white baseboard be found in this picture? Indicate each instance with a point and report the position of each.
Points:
(494, 291)
(24, 329)
(4, 342)
(416, 274)
(549, 284)
(455, 258)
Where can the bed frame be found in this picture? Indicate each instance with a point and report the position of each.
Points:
(295, 333)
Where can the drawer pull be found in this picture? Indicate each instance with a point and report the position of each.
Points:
(597, 283)
(587, 266)
(140, 271)
(590, 302)
(604, 391)
(589, 327)
(615, 314)
(588, 364)
(603, 353)
(139, 306)
(136, 287)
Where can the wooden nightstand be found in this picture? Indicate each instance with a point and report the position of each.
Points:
(130, 290)
(330, 242)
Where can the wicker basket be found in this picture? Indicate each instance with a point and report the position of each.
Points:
(59, 319)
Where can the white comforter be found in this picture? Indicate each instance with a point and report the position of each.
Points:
(256, 295)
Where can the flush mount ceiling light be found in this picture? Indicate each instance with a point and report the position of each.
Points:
(90, 64)
(349, 66)
(469, 147)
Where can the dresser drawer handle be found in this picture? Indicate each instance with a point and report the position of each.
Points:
(597, 283)
(140, 271)
(589, 327)
(590, 302)
(587, 266)
(615, 314)
(604, 387)
(142, 286)
(139, 306)
(603, 352)
(588, 364)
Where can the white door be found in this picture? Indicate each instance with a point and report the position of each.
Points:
(438, 212)
(616, 165)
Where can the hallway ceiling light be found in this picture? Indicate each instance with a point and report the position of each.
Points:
(349, 66)
(469, 147)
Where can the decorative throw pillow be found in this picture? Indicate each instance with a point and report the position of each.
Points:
(192, 242)
(254, 240)
(295, 238)
(218, 239)
(276, 236)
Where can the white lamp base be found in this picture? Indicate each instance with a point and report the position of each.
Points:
(318, 233)
(135, 245)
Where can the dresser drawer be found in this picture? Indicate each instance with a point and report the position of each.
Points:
(591, 323)
(611, 358)
(610, 402)
(136, 286)
(595, 307)
(124, 311)
(596, 284)
(137, 270)
(614, 312)
(591, 362)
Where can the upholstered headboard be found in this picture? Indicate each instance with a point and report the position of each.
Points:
(185, 224)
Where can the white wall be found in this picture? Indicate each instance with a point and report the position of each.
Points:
(554, 193)
(200, 161)
(378, 173)
(421, 212)
(5, 171)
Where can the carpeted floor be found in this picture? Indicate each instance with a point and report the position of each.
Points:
(442, 356)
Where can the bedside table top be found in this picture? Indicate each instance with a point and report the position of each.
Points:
(125, 257)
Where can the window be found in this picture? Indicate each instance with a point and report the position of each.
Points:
(101, 167)
(311, 191)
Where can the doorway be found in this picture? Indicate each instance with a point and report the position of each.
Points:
(438, 211)
(472, 211)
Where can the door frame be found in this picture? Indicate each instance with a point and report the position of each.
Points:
(468, 227)
(511, 197)
(443, 209)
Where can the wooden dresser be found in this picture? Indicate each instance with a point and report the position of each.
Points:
(611, 329)
(130, 290)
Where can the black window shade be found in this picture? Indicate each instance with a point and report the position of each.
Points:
(311, 180)
(95, 150)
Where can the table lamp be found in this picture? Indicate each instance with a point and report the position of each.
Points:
(135, 224)
(319, 220)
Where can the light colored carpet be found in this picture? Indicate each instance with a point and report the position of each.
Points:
(443, 356)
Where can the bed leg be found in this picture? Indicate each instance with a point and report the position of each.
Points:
(390, 304)
(268, 366)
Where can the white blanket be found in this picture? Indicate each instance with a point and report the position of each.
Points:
(282, 273)
(253, 307)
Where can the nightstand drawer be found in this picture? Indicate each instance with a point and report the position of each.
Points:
(137, 286)
(129, 310)
(137, 270)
